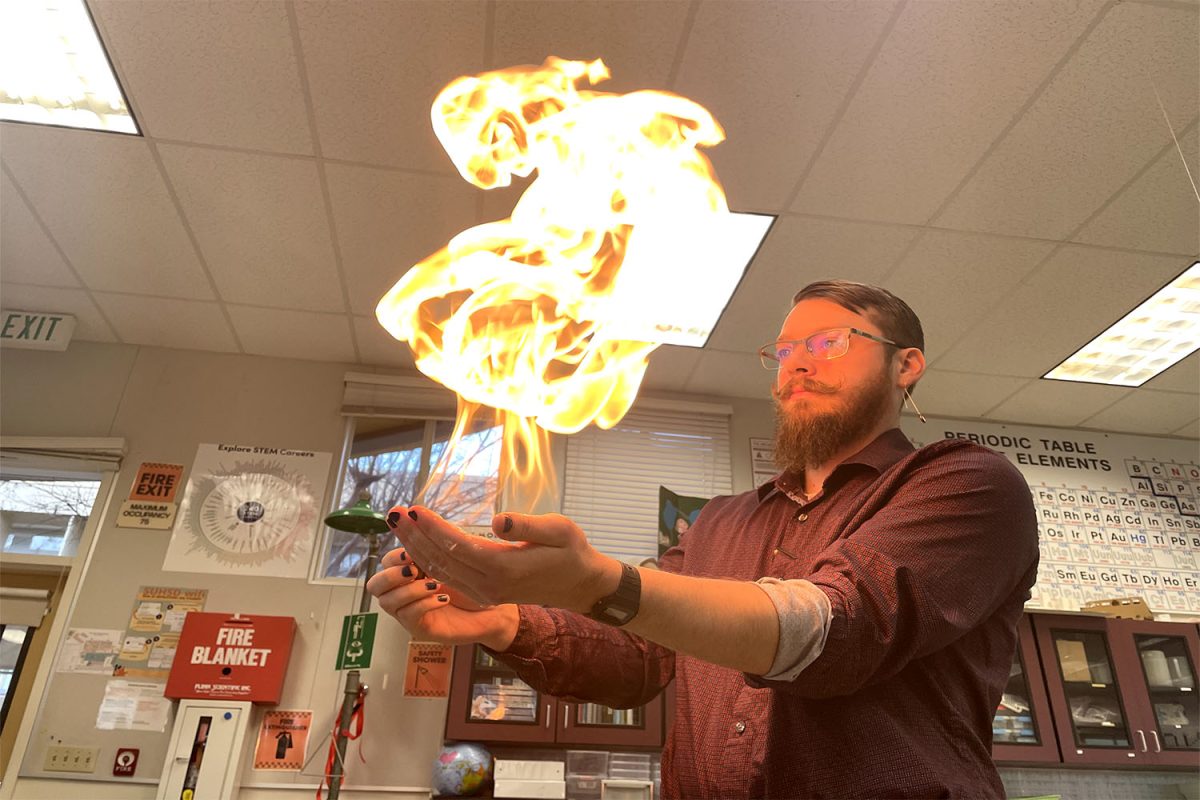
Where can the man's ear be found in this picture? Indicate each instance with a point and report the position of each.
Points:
(911, 367)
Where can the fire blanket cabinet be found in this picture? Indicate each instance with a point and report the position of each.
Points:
(1084, 689)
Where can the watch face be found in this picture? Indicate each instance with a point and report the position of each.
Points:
(250, 513)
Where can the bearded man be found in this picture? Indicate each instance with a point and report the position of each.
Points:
(844, 630)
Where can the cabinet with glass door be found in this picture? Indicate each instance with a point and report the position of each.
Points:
(490, 703)
(1122, 691)
(1164, 658)
(1022, 730)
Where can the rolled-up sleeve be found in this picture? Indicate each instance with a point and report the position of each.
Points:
(803, 611)
(938, 559)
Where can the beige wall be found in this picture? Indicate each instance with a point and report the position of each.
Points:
(165, 403)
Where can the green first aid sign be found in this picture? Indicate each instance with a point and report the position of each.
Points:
(358, 638)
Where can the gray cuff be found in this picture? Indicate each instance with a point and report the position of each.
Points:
(804, 613)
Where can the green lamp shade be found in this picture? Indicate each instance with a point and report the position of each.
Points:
(358, 518)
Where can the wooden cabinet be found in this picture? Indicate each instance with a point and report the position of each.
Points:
(1122, 692)
(1023, 729)
(489, 703)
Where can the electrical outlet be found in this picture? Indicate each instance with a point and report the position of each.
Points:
(60, 758)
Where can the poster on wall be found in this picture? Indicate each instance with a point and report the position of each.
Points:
(133, 706)
(283, 740)
(152, 636)
(1118, 514)
(762, 461)
(89, 650)
(249, 511)
(676, 513)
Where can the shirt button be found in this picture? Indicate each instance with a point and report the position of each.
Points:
(740, 728)
(802, 517)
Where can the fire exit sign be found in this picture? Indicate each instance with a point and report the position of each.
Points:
(36, 330)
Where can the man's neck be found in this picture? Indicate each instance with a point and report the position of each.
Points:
(815, 476)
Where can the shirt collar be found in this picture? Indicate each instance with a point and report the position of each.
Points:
(884, 451)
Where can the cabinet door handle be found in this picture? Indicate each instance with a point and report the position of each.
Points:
(1143, 738)
(1157, 745)
(548, 715)
(566, 716)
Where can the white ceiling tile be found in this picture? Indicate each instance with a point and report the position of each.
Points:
(261, 224)
(1159, 211)
(1079, 292)
(90, 324)
(1057, 403)
(946, 82)
(374, 68)
(387, 221)
(162, 322)
(948, 277)
(962, 394)
(219, 73)
(26, 254)
(1096, 125)
(1147, 412)
(731, 375)
(798, 251)
(104, 201)
(1191, 430)
(774, 75)
(377, 346)
(1183, 377)
(636, 38)
(670, 366)
(293, 334)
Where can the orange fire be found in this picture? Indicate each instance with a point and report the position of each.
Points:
(526, 315)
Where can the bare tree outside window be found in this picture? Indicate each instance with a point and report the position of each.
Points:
(389, 460)
(43, 516)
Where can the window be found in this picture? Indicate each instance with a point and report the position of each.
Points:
(612, 477)
(14, 644)
(393, 458)
(44, 516)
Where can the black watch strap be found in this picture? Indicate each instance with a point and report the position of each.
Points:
(622, 605)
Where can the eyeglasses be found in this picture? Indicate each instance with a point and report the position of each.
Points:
(823, 344)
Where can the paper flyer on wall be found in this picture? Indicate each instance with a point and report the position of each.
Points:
(89, 650)
(133, 706)
(762, 460)
(152, 635)
(249, 510)
(283, 740)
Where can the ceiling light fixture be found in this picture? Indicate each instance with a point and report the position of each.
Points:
(1157, 334)
(54, 70)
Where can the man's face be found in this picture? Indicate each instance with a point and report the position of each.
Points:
(824, 405)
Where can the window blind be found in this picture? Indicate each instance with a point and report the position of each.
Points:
(611, 478)
(376, 395)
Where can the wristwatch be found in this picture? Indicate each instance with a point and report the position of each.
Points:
(622, 605)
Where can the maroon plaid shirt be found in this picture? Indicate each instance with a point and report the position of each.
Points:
(927, 557)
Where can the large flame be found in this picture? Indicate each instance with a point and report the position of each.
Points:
(524, 315)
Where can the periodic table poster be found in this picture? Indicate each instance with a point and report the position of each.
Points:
(1118, 515)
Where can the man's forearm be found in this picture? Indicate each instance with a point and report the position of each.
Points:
(730, 623)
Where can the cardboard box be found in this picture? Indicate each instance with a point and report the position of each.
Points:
(1072, 656)
(1121, 608)
(554, 790)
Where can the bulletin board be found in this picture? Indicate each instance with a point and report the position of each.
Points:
(1118, 515)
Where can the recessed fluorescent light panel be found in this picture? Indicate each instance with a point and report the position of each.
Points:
(1160, 332)
(53, 68)
(696, 268)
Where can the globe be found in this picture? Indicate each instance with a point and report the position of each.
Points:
(461, 769)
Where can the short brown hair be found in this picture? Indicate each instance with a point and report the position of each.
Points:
(893, 316)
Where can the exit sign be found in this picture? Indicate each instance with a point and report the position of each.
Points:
(36, 330)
